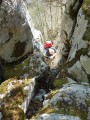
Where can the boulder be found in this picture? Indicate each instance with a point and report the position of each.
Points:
(15, 32)
(54, 116)
(71, 99)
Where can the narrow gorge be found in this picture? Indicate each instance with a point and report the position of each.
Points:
(32, 86)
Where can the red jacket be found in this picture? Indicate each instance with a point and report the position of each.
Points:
(48, 44)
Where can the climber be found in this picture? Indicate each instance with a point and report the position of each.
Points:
(50, 53)
(48, 44)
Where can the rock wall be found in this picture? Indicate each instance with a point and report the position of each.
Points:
(74, 28)
(67, 98)
(15, 32)
(71, 96)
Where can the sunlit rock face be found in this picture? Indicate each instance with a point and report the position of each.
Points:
(72, 95)
(15, 32)
(75, 29)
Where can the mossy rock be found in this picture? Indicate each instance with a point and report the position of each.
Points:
(51, 94)
(88, 102)
(87, 35)
(10, 107)
(63, 109)
(86, 10)
(4, 85)
(11, 71)
(14, 113)
(58, 83)
(47, 109)
(71, 110)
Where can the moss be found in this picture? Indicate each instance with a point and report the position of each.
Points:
(14, 113)
(47, 109)
(71, 110)
(10, 108)
(15, 70)
(64, 109)
(86, 10)
(3, 86)
(51, 94)
(58, 83)
(19, 49)
(87, 35)
(88, 103)
(16, 97)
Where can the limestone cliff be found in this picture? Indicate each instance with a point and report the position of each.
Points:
(15, 32)
(75, 28)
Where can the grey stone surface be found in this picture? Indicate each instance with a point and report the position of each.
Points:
(73, 94)
(30, 90)
(54, 116)
(77, 40)
(85, 62)
(15, 32)
(0, 115)
(77, 71)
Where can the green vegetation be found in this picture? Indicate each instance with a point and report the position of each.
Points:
(58, 83)
(16, 70)
(88, 102)
(86, 10)
(51, 94)
(10, 109)
(14, 113)
(47, 109)
(64, 109)
(87, 35)
(4, 85)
